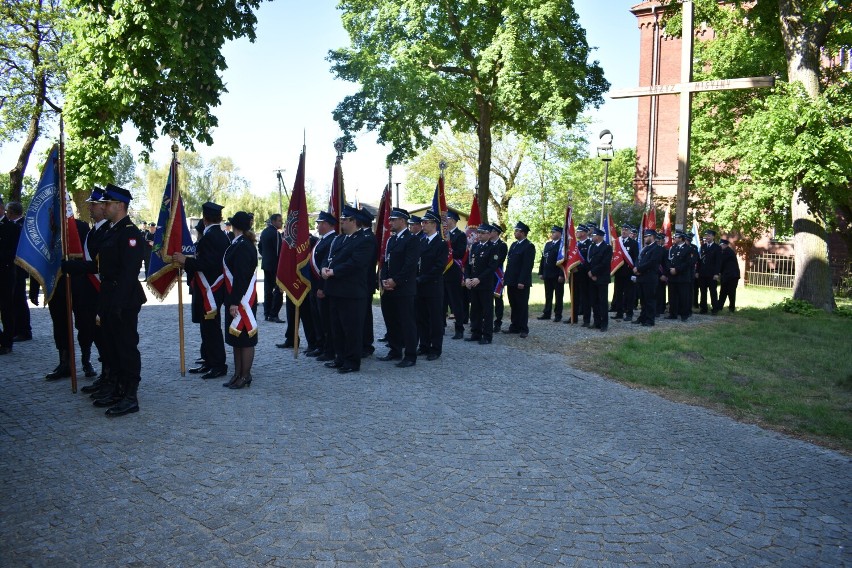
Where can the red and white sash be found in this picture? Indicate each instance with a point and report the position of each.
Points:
(245, 320)
(207, 290)
(94, 278)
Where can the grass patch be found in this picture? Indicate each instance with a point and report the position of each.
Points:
(764, 365)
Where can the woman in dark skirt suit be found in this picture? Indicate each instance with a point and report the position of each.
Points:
(241, 299)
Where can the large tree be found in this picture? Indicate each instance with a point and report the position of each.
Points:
(154, 65)
(476, 66)
(31, 73)
(778, 158)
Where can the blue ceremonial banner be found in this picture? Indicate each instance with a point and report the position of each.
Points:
(40, 247)
(172, 235)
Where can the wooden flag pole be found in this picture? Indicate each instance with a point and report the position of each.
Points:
(69, 313)
(176, 203)
(296, 334)
(573, 303)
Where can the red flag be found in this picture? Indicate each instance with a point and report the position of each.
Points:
(337, 198)
(619, 253)
(73, 245)
(473, 221)
(569, 254)
(650, 219)
(293, 275)
(667, 228)
(439, 206)
(383, 231)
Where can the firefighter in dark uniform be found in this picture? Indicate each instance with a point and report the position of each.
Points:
(10, 233)
(399, 282)
(624, 291)
(553, 276)
(696, 265)
(708, 273)
(454, 277)
(729, 276)
(121, 299)
(502, 250)
(482, 263)
(680, 284)
(430, 288)
(518, 279)
(364, 219)
(647, 274)
(582, 284)
(663, 285)
(599, 260)
(202, 273)
(326, 225)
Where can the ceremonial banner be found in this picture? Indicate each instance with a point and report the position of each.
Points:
(474, 220)
(383, 232)
(619, 253)
(293, 275)
(40, 246)
(650, 219)
(667, 228)
(568, 255)
(696, 239)
(439, 207)
(73, 244)
(172, 235)
(337, 199)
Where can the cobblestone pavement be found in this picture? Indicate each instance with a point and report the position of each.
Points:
(498, 455)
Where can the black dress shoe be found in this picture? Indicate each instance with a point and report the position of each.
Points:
(199, 361)
(199, 370)
(458, 335)
(22, 337)
(586, 324)
(432, 356)
(111, 400)
(390, 357)
(124, 406)
(285, 345)
(323, 358)
(422, 351)
(628, 318)
(313, 352)
(405, 363)
(604, 328)
(5, 350)
(638, 321)
(524, 334)
(647, 324)
(344, 370)
(215, 373)
(89, 371)
(557, 319)
(543, 317)
(94, 387)
(472, 338)
(333, 365)
(60, 372)
(484, 341)
(497, 328)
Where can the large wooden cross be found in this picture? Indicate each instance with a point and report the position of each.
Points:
(685, 89)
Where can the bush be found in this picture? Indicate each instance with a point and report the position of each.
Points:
(800, 307)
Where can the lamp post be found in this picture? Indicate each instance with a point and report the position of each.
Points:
(605, 153)
(281, 186)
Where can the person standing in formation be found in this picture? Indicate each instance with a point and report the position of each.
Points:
(482, 263)
(729, 276)
(624, 293)
(708, 272)
(553, 276)
(430, 288)
(454, 277)
(680, 284)
(240, 265)
(202, 273)
(518, 280)
(499, 277)
(10, 233)
(364, 220)
(647, 278)
(599, 260)
(582, 284)
(326, 226)
(269, 248)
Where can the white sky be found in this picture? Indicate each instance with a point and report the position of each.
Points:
(280, 87)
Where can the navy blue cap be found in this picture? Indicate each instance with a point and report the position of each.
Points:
(496, 228)
(363, 216)
(241, 221)
(660, 236)
(432, 217)
(414, 220)
(599, 232)
(556, 228)
(398, 213)
(520, 226)
(349, 212)
(115, 193)
(724, 242)
(327, 217)
(650, 233)
(679, 235)
(211, 209)
(484, 228)
(710, 232)
(452, 215)
(583, 228)
(97, 194)
(690, 235)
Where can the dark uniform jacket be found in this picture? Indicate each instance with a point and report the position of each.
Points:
(269, 246)
(711, 260)
(548, 268)
(401, 256)
(458, 240)
(680, 257)
(583, 247)
(519, 265)
(481, 263)
(372, 277)
(242, 262)
(632, 248)
(10, 233)
(600, 259)
(433, 259)
(649, 261)
(119, 261)
(349, 258)
(320, 259)
(729, 267)
(209, 255)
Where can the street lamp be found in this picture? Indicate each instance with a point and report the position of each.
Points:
(605, 153)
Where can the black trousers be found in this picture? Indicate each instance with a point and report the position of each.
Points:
(481, 312)
(213, 342)
(21, 307)
(325, 332)
(7, 306)
(367, 337)
(728, 291)
(272, 296)
(430, 324)
(599, 300)
(583, 309)
(621, 281)
(347, 325)
(453, 294)
(679, 299)
(499, 308)
(122, 341)
(305, 318)
(661, 297)
(553, 287)
(648, 296)
(705, 284)
(401, 322)
(519, 301)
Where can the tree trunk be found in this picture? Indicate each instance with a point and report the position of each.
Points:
(16, 174)
(802, 41)
(483, 133)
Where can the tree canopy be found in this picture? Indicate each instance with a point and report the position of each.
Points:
(478, 67)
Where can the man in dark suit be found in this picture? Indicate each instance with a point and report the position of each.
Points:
(399, 282)
(430, 288)
(10, 233)
(454, 277)
(365, 224)
(326, 227)
(708, 273)
(502, 250)
(22, 330)
(518, 279)
(729, 276)
(269, 246)
(583, 309)
(647, 273)
(202, 272)
(680, 284)
(346, 287)
(482, 262)
(624, 292)
(552, 275)
(600, 261)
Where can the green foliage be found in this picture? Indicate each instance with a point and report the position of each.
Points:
(155, 65)
(123, 167)
(421, 174)
(800, 307)
(843, 311)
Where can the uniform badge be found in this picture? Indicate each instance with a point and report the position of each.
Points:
(131, 242)
(496, 257)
